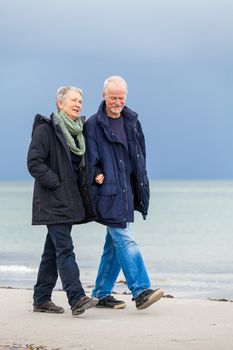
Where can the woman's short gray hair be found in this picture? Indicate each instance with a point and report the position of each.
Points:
(114, 78)
(63, 90)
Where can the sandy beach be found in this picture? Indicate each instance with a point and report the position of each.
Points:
(169, 324)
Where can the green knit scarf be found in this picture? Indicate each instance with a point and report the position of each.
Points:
(72, 127)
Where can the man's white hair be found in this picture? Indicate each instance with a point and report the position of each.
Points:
(63, 91)
(114, 78)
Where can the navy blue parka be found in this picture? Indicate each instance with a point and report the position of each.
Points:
(121, 192)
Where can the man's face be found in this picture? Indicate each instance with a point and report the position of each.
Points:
(115, 98)
(71, 105)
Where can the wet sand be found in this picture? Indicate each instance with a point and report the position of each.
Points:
(176, 324)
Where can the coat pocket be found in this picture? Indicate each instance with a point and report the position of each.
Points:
(58, 197)
(107, 202)
(108, 188)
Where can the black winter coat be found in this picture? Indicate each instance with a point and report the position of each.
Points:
(60, 195)
(105, 153)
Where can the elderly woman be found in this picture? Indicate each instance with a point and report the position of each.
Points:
(61, 198)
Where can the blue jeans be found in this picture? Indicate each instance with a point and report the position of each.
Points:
(58, 256)
(120, 251)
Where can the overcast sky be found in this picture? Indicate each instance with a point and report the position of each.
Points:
(176, 56)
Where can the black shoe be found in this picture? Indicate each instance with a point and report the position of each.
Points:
(148, 297)
(83, 304)
(112, 303)
(49, 307)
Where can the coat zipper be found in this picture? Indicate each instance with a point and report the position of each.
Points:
(138, 156)
(125, 184)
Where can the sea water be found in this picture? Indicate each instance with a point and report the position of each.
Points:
(186, 241)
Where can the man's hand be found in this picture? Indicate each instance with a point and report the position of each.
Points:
(99, 179)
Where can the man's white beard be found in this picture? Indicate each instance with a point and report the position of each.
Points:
(116, 110)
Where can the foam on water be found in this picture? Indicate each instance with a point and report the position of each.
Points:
(16, 269)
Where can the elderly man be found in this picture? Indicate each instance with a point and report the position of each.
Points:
(61, 199)
(117, 169)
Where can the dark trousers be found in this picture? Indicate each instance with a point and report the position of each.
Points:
(58, 257)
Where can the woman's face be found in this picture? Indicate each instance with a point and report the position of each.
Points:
(71, 105)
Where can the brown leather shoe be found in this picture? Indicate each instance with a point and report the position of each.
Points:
(83, 304)
(49, 307)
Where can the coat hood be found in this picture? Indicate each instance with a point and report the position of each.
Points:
(38, 120)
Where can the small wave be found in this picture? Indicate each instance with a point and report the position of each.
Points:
(17, 269)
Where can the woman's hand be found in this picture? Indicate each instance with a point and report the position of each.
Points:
(99, 179)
